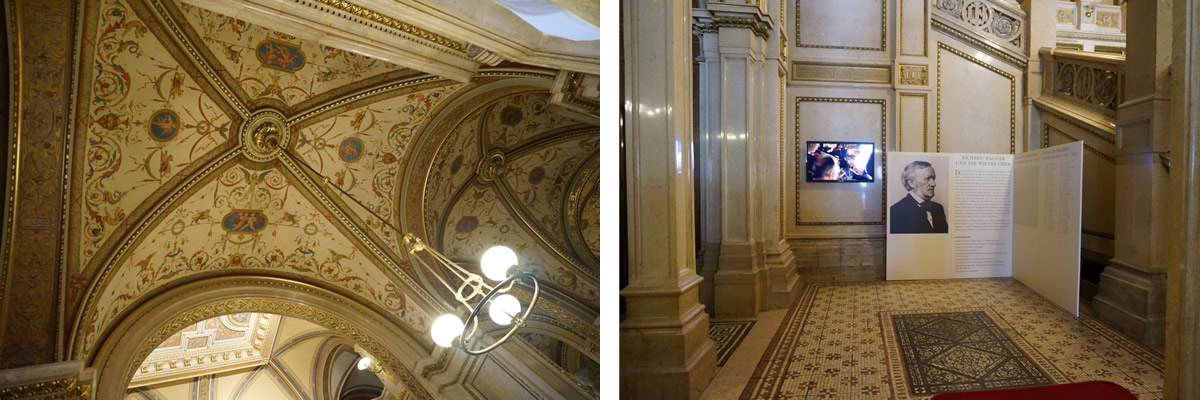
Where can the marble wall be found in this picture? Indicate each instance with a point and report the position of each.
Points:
(905, 75)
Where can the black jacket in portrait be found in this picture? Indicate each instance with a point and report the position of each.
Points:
(908, 216)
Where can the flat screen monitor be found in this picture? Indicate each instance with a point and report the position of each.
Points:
(840, 162)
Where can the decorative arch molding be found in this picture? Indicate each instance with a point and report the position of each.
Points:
(136, 335)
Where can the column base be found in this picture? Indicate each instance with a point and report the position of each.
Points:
(737, 285)
(783, 283)
(1131, 300)
(666, 352)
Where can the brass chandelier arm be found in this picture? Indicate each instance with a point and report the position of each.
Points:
(472, 287)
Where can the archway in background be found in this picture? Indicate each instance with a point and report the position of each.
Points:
(122, 351)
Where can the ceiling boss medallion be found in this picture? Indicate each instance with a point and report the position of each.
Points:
(264, 136)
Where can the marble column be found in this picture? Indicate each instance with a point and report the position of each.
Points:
(783, 283)
(1041, 14)
(665, 348)
(1132, 288)
(1183, 284)
(708, 162)
(737, 102)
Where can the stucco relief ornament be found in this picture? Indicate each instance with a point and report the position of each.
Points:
(264, 136)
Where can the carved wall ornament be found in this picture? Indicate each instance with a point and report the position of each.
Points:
(841, 73)
(1000, 23)
(1095, 86)
(717, 22)
(1108, 20)
(911, 74)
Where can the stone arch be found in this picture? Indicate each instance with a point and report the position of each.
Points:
(135, 335)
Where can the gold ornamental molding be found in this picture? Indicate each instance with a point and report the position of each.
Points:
(65, 388)
(196, 59)
(882, 33)
(801, 149)
(854, 73)
(924, 120)
(914, 74)
(979, 44)
(1012, 97)
(1102, 38)
(1069, 46)
(389, 22)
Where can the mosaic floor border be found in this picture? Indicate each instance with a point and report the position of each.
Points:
(728, 335)
(843, 352)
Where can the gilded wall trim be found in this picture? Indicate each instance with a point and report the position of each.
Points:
(800, 149)
(924, 25)
(854, 73)
(1012, 97)
(924, 120)
(376, 17)
(1103, 38)
(914, 74)
(882, 33)
(1069, 46)
(976, 43)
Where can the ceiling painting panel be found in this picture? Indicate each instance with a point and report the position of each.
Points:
(589, 222)
(514, 120)
(241, 221)
(146, 122)
(479, 220)
(539, 179)
(272, 65)
(453, 167)
(362, 150)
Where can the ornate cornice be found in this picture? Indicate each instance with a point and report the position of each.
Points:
(716, 22)
(65, 388)
(379, 18)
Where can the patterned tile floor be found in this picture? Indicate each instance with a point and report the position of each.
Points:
(832, 343)
(728, 334)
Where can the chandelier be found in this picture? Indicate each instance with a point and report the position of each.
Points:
(499, 264)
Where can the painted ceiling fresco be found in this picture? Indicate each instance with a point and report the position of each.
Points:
(363, 149)
(147, 121)
(534, 154)
(164, 192)
(247, 219)
(274, 65)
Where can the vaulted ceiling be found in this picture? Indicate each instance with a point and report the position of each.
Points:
(167, 184)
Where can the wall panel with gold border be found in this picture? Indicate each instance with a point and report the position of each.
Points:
(976, 97)
(836, 114)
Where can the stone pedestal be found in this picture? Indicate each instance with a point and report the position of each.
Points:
(1131, 300)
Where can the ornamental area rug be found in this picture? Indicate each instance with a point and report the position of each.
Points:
(728, 335)
(840, 341)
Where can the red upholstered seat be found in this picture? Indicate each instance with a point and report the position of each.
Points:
(1094, 390)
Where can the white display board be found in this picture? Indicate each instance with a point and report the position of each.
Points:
(1046, 219)
(954, 215)
(949, 215)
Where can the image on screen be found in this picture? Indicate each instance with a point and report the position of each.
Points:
(840, 162)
